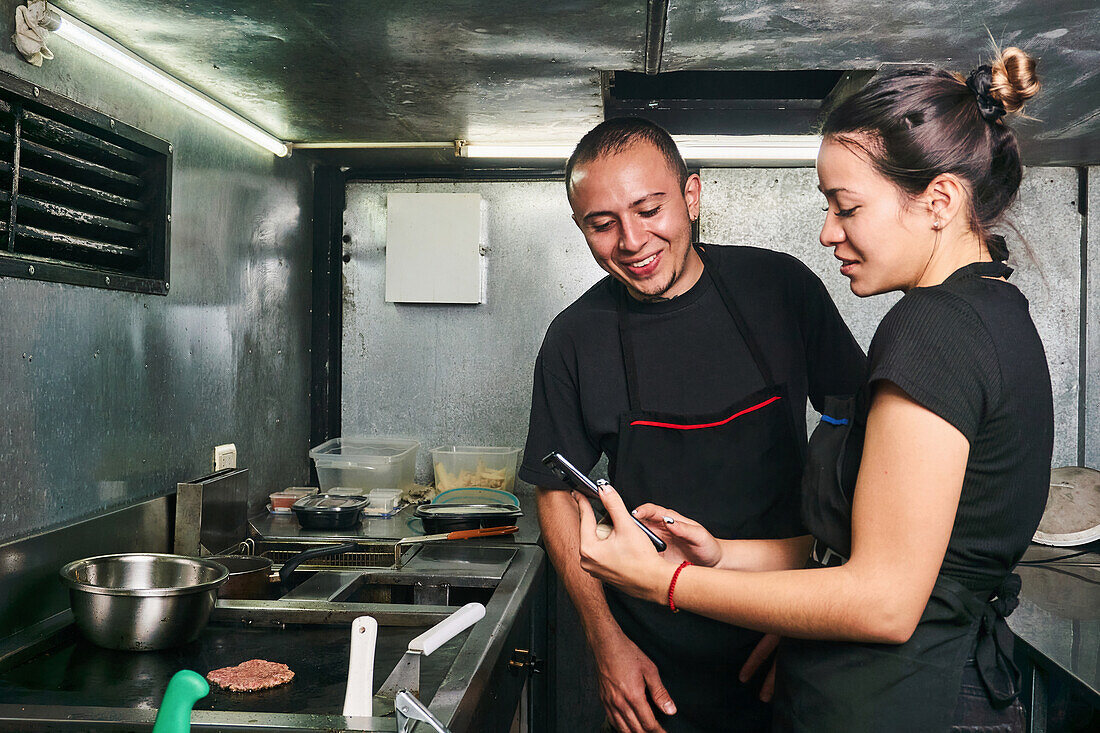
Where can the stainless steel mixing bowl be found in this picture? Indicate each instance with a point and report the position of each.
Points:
(142, 601)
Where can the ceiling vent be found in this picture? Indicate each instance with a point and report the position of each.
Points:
(729, 102)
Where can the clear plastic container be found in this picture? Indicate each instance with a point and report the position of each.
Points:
(383, 501)
(475, 496)
(283, 500)
(365, 463)
(300, 490)
(475, 466)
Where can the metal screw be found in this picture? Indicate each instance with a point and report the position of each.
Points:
(37, 91)
(30, 270)
(166, 286)
(107, 280)
(169, 147)
(169, 217)
(112, 123)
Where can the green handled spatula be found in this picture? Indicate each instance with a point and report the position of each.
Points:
(184, 690)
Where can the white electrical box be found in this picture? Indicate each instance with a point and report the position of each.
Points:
(434, 244)
(225, 456)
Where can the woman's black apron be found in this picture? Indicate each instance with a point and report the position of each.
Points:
(845, 687)
(736, 470)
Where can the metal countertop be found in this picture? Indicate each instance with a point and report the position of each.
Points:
(285, 527)
(1059, 612)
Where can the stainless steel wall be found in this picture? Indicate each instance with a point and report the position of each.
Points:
(446, 374)
(782, 210)
(109, 397)
(1090, 319)
(457, 374)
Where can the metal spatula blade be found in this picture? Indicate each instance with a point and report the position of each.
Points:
(406, 675)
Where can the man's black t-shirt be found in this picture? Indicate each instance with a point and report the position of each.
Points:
(690, 356)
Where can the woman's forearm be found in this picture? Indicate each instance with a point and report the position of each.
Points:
(842, 603)
(756, 555)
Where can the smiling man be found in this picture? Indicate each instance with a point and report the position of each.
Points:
(689, 367)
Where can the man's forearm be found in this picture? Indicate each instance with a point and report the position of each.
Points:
(561, 535)
(755, 555)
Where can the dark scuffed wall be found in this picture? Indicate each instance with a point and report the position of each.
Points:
(110, 397)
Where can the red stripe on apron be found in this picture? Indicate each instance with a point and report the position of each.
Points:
(747, 410)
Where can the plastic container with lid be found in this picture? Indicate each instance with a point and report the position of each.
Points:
(475, 467)
(364, 462)
(283, 500)
(301, 490)
(323, 511)
(475, 496)
(383, 501)
(454, 517)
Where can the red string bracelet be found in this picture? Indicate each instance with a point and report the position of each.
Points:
(672, 585)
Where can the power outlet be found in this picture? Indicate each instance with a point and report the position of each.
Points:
(225, 456)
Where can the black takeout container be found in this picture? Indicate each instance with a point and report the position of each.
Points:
(438, 518)
(329, 511)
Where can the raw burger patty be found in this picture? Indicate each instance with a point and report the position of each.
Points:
(255, 674)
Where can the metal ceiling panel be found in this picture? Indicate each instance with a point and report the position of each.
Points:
(841, 34)
(403, 70)
(417, 70)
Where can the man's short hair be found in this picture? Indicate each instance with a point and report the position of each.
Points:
(616, 135)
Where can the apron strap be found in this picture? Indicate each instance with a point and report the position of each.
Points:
(993, 646)
(739, 321)
(627, 345)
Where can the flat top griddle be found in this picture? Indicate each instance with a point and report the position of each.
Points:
(75, 672)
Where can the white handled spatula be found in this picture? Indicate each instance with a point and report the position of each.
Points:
(406, 675)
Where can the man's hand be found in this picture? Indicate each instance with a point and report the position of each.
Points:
(625, 558)
(628, 681)
(760, 655)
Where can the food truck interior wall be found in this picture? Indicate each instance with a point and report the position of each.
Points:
(110, 397)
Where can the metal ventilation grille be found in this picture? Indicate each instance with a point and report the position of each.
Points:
(83, 198)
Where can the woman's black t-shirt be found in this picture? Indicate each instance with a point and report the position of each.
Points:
(968, 351)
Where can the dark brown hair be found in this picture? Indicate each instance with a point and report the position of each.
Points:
(616, 135)
(919, 123)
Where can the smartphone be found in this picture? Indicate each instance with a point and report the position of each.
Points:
(571, 475)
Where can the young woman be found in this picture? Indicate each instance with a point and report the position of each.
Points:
(921, 493)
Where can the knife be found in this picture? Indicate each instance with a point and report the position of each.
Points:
(461, 534)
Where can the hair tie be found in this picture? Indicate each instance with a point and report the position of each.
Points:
(980, 81)
(997, 246)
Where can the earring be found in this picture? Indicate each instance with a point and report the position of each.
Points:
(935, 225)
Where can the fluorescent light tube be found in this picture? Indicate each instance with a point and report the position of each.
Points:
(542, 151)
(94, 42)
(748, 148)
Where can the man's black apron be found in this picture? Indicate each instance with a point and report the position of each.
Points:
(844, 687)
(736, 470)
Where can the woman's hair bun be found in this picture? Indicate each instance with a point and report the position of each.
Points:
(1014, 79)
